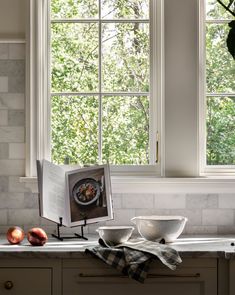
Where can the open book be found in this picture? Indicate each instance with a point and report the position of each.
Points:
(75, 195)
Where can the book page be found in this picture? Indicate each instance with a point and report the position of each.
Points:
(53, 192)
(88, 195)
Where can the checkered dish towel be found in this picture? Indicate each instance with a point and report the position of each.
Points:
(133, 258)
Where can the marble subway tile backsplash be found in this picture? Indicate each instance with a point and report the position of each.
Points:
(3, 217)
(29, 217)
(207, 213)
(3, 84)
(12, 134)
(4, 150)
(4, 51)
(16, 150)
(16, 118)
(12, 101)
(218, 217)
(3, 117)
(16, 51)
(205, 216)
(170, 201)
(4, 183)
(202, 201)
(12, 167)
(227, 201)
(141, 201)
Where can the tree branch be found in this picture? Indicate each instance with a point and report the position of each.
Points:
(90, 53)
(227, 7)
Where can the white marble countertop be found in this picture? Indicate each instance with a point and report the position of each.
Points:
(187, 246)
(206, 246)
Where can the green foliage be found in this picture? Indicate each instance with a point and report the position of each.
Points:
(224, 9)
(125, 130)
(221, 131)
(74, 129)
(123, 121)
(220, 65)
(220, 73)
(130, 9)
(74, 9)
(125, 57)
(74, 57)
(216, 11)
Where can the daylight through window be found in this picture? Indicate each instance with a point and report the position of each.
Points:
(220, 87)
(100, 81)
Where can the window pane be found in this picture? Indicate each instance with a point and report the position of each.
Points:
(221, 131)
(125, 130)
(74, 123)
(125, 56)
(125, 9)
(220, 66)
(74, 9)
(74, 57)
(214, 10)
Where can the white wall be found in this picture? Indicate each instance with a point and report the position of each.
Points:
(18, 206)
(12, 18)
(181, 87)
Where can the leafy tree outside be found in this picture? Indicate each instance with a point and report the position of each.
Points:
(220, 82)
(87, 124)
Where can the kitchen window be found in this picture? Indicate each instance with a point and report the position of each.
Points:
(218, 105)
(176, 150)
(104, 61)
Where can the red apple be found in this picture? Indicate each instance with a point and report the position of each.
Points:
(15, 235)
(37, 236)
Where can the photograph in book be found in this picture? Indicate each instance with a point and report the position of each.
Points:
(89, 195)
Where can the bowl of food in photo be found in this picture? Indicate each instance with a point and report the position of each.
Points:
(86, 191)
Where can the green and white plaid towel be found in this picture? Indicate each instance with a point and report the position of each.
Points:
(133, 258)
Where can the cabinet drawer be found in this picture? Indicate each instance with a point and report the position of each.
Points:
(91, 275)
(25, 281)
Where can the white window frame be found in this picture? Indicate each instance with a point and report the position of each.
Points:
(37, 124)
(38, 91)
(207, 170)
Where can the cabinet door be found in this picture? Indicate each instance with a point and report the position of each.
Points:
(231, 276)
(25, 281)
(187, 279)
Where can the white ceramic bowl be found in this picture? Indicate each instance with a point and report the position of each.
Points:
(115, 234)
(160, 227)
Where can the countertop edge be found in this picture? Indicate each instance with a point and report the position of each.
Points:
(197, 246)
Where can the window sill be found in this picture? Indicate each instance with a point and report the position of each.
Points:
(150, 185)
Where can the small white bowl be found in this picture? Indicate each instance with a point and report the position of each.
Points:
(160, 227)
(115, 234)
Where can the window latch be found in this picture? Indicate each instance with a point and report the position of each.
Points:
(157, 148)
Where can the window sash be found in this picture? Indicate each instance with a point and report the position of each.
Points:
(208, 170)
(100, 21)
(38, 92)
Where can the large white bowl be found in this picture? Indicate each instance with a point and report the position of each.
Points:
(160, 227)
(114, 235)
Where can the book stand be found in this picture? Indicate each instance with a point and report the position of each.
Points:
(75, 235)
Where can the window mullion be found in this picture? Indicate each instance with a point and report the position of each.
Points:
(218, 21)
(212, 168)
(102, 93)
(100, 88)
(103, 20)
(222, 94)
